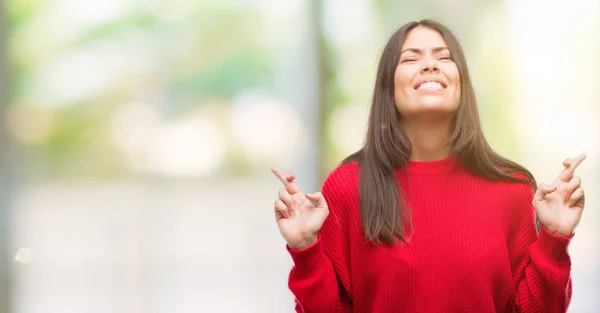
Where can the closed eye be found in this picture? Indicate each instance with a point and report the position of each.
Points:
(408, 60)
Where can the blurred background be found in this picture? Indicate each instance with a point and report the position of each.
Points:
(137, 136)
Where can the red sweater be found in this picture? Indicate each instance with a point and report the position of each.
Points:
(474, 249)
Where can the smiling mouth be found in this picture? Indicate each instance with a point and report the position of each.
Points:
(430, 85)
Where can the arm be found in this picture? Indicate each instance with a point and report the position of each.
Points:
(314, 282)
(320, 279)
(540, 264)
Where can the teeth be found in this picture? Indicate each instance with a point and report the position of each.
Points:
(431, 85)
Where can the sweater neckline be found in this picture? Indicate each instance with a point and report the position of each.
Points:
(444, 165)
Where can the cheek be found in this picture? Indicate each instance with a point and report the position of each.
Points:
(454, 76)
(402, 82)
(458, 86)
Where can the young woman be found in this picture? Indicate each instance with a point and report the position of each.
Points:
(426, 217)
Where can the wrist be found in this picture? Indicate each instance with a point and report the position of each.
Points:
(563, 233)
(305, 243)
(557, 231)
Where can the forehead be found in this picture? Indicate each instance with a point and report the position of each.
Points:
(423, 38)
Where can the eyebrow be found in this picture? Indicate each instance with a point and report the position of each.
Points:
(420, 51)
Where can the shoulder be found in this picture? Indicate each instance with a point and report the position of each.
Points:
(346, 172)
(519, 193)
(520, 190)
(341, 185)
(512, 190)
(515, 187)
(517, 199)
(342, 179)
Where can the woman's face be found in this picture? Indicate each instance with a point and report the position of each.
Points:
(426, 80)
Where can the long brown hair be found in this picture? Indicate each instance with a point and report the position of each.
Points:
(384, 213)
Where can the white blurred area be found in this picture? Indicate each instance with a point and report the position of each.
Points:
(190, 227)
(557, 113)
(196, 145)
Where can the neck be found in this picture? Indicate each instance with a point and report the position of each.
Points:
(429, 142)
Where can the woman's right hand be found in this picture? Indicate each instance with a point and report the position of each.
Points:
(298, 219)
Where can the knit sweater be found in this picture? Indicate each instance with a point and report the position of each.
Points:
(474, 248)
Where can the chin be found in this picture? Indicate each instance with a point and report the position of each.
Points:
(433, 106)
(434, 111)
(436, 106)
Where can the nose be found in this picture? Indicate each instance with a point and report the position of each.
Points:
(429, 64)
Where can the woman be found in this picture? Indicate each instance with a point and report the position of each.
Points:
(437, 222)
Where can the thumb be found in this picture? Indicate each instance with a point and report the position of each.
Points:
(542, 191)
(318, 198)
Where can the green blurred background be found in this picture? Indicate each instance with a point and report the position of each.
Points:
(139, 134)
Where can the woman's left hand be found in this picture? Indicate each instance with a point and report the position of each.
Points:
(559, 206)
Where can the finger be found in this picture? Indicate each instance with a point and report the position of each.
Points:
(289, 185)
(290, 177)
(285, 196)
(278, 215)
(567, 162)
(571, 187)
(542, 191)
(301, 201)
(567, 173)
(318, 198)
(281, 209)
(577, 196)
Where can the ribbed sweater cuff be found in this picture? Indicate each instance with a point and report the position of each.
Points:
(554, 247)
(309, 259)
